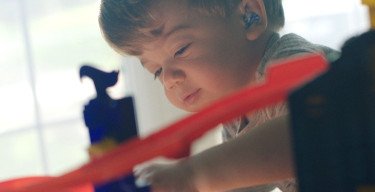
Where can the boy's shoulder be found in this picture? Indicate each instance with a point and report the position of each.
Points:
(289, 45)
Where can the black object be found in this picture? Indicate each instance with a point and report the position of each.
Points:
(333, 122)
(107, 118)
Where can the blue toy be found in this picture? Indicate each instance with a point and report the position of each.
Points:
(110, 122)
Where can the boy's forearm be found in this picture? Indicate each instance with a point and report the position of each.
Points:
(261, 156)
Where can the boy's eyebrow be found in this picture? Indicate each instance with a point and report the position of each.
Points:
(177, 28)
(160, 30)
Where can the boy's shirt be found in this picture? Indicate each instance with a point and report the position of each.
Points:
(277, 48)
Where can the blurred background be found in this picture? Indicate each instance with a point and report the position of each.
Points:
(44, 42)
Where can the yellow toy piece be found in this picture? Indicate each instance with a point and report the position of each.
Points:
(371, 5)
(99, 149)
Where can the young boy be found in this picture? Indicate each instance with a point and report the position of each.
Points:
(202, 50)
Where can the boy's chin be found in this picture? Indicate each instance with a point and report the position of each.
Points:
(190, 110)
(194, 108)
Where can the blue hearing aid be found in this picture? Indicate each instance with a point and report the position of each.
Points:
(250, 18)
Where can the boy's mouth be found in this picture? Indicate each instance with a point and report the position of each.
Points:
(192, 97)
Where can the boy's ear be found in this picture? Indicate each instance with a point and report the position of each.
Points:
(254, 17)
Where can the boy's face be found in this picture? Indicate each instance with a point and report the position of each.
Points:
(198, 58)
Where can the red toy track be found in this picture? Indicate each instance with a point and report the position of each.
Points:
(174, 141)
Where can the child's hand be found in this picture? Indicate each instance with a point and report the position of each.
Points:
(166, 175)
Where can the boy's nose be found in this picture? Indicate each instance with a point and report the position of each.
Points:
(172, 77)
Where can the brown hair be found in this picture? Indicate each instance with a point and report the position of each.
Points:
(122, 21)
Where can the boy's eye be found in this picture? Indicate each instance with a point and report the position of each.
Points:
(158, 73)
(182, 50)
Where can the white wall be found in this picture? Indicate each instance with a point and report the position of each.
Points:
(327, 22)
